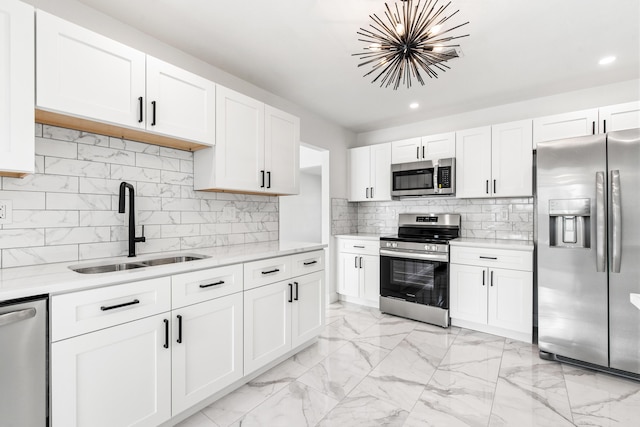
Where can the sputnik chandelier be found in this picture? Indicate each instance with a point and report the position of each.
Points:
(412, 39)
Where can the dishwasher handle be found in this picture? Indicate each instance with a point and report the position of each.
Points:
(17, 316)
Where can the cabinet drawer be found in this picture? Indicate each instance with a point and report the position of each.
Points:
(496, 258)
(81, 312)
(266, 271)
(308, 262)
(198, 286)
(363, 247)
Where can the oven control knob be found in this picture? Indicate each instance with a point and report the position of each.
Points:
(394, 245)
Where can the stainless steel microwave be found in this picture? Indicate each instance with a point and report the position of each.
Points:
(425, 178)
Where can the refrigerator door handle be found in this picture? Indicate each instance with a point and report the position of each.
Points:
(600, 224)
(616, 209)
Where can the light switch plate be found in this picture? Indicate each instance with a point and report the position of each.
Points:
(6, 211)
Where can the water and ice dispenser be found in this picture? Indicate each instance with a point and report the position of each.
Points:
(569, 221)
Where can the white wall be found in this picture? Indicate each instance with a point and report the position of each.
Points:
(314, 130)
(565, 102)
(301, 215)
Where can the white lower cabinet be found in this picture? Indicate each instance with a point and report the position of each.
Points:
(119, 376)
(206, 349)
(359, 271)
(280, 316)
(492, 299)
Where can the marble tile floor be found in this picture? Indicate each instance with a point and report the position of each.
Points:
(372, 369)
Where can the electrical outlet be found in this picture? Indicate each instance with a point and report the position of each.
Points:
(6, 211)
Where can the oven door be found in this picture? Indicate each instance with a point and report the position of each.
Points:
(417, 280)
(412, 179)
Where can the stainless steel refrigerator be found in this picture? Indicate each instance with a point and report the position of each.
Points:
(588, 202)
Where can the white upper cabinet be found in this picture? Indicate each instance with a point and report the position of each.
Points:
(568, 125)
(430, 147)
(620, 117)
(495, 161)
(180, 103)
(281, 151)
(84, 74)
(370, 173)
(16, 88)
(257, 148)
(87, 75)
(473, 162)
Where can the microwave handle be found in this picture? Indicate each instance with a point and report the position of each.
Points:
(435, 179)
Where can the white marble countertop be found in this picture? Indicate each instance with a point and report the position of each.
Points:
(58, 278)
(520, 245)
(360, 236)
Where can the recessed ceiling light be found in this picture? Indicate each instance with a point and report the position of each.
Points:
(607, 60)
(414, 105)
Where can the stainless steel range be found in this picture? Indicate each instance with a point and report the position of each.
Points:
(414, 267)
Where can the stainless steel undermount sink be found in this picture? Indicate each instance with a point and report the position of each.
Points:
(109, 268)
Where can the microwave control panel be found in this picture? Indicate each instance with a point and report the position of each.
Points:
(444, 177)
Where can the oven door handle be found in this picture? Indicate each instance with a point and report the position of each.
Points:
(415, 255)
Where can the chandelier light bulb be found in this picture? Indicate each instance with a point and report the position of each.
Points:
(375, 47)
(400, 29)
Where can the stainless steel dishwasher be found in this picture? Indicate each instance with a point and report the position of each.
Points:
(23, 362)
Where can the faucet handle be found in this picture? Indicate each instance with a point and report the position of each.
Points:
(141, 238)
(142, 230)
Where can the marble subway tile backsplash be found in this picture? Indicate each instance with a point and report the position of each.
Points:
(510, 218)
(68, 210)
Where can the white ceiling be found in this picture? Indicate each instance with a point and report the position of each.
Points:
(301, 50)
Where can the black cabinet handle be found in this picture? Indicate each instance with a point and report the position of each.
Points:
(275, 270)
(491, 278)
(360, 262)
(355, 259)
(153, 113)
(357, 246)
(111, 307)
(372, 192)
(166, 333)
(423, 151)
(604, 126)
(290, 292)
(141, 105)
(212, 284)
(483, 272)
(494, 186)
(269, 179)
(262, 185)
(310, 263)
(367, 192)
(179, 340)
(593, 128)
(417, 152)
(296, 298)
(488, 257)
(487, 187)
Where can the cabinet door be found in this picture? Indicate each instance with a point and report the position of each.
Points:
(348, 274)
(282, 152)
(119, 376)
(16, 88)
(406, 151)
(239, 151)
(359, 174)
(468, 293)
(380, 172)
(620, 117)
(439, 146)
(307, 315)
(511, 299)
(370, 277)
(84, 74)
(473, 162)
(568, 125)
(512, 159)
(206, 349)
(267, 324)
(180, 103)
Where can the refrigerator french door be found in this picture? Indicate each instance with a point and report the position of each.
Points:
(588, 193)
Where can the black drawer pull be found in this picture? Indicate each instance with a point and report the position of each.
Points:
(141, 104)
(153, 113)
(296, 298)
(179, 340)
(212, 284)
(488, 257)
(275, 270)
(111, 307)
(310, 262)
(166, 333)
(359, 247)
(290, 292)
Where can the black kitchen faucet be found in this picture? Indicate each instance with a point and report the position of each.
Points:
(132, 217)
